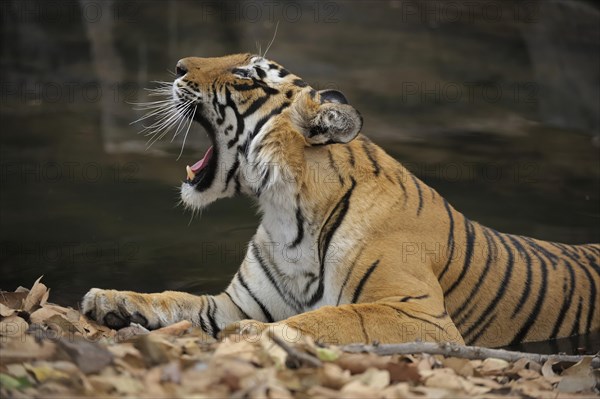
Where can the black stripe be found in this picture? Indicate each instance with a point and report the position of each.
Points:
(410, 298)
(255, 106)
(350, 270)
(566, 300)
(299, 226)
(363, 281)
(420, 194)
(203, 324)
(244, 314)
(405, 194)
(535, 312)
(575, 327)
(263, 183)
(231, 172)
(261, 74)
(350, 155)
(470, 236)
(369, 152)
(551, 257)
(212, 310)
(299, 82)
(527, 287)
(491, 254)
(266, 118)
(483, 329)
(238, 117)
(413, 316)
(450, 242)
(332, 223)
(218, 107)
(593, 263)
(592, 297)
(262, 307)
(501, 289)
(283, 72)
(334, 167)
(288, 299)
(257, 84)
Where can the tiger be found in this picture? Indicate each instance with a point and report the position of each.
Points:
(351, 246)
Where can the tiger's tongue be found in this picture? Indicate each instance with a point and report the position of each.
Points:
(201, 164)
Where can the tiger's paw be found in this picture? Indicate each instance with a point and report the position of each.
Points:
(118, 309)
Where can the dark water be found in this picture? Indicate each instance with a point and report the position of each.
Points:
(498, 110)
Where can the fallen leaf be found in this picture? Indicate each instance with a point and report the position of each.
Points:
(493, 366)
(5, 311)
(13, 327)
(176, 329)
(122, 384)
(578, 378)
(130, 332)
(35, 296)
(548, 371)
(13, 300)
(332, 376)
(154, 348)
(9, 382)
(358, 363)
(402, 371)
(90, 357)
(42, 314)
(44, 371)
(462, 367)
(327, 354)
(374, 378)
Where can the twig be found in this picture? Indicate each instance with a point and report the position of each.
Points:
(465, 352)
(295, 357)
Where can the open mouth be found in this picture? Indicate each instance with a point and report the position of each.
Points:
(202, 173)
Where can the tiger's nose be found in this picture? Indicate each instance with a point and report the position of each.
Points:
(180, 69)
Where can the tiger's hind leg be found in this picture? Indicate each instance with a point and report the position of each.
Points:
(384, 322)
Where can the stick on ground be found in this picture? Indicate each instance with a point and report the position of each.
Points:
(465, 352)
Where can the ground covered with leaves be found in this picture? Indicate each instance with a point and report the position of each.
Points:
(52, 351)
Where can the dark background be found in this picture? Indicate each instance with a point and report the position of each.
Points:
(494, 103)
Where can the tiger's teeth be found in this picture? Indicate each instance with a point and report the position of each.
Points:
(190, 173)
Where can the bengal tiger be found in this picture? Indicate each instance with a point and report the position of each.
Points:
(351, 247)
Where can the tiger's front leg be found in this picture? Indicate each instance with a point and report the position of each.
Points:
(387, 321)
(117, 309)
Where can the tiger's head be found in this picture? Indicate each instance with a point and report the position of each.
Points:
(238, 99)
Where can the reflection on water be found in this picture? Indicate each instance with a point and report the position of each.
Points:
(500, 115)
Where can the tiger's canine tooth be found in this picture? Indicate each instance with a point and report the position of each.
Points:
(190, 173)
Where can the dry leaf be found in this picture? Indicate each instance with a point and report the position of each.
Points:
(154, 348)
(176, 329)
(462, 367)
(548, 371)
(13, 300)
(5, 311)
(578, 378)
(89, 356)
(35, 296)
(332, 376)
(43, 371)
(374, 378)
(493, 366)
(13, 327)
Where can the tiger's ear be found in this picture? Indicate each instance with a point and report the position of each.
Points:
(325, 117)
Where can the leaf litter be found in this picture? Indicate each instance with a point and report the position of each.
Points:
(47, 350)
